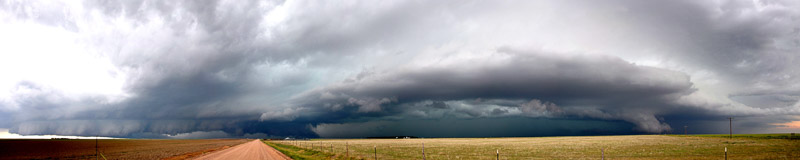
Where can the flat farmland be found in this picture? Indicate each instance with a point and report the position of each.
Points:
(111, 148)
(580, 147)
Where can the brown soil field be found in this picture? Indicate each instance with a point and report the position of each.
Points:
(111, 148)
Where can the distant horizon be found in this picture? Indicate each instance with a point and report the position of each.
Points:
(90, 138)
(4, 134)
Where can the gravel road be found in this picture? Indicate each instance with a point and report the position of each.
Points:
(250, 150)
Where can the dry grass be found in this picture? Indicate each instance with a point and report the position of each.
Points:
(616, 147)
(111, 149)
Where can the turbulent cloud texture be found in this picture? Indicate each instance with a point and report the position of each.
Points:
(611, 87)
(194, 69)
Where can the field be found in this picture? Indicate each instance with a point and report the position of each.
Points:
(111, 148)
(588, 147)
(758, 136)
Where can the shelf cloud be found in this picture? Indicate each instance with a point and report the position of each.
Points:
(220, 68)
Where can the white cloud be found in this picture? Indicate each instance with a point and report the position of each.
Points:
(54, 58)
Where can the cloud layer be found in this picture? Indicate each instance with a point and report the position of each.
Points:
(189, 69)
(591, 86)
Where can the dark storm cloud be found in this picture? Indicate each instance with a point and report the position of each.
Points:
(615, 88)
(206, 60)
(480, 127)
(747, 45)
(198, 72)
(303, 68)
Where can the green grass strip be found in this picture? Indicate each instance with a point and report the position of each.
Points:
(301, 153)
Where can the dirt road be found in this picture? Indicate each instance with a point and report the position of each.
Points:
(250, 150)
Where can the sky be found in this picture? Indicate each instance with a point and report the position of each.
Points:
(337, 69)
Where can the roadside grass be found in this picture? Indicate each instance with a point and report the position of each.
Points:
(298, 153)
(581, 147)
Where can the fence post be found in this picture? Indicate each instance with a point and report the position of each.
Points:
(726, 153)
(423, 151)
(602, 154)
(498, 154)
(376, 152)
(346, 151)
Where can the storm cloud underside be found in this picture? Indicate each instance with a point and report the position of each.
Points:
(220, 69)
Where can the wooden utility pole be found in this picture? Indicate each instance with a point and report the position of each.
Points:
(730, 126)
(684, 130)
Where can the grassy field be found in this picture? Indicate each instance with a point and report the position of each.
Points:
(298, 153)
(758, 136)
(588, 147)
(111, 148)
